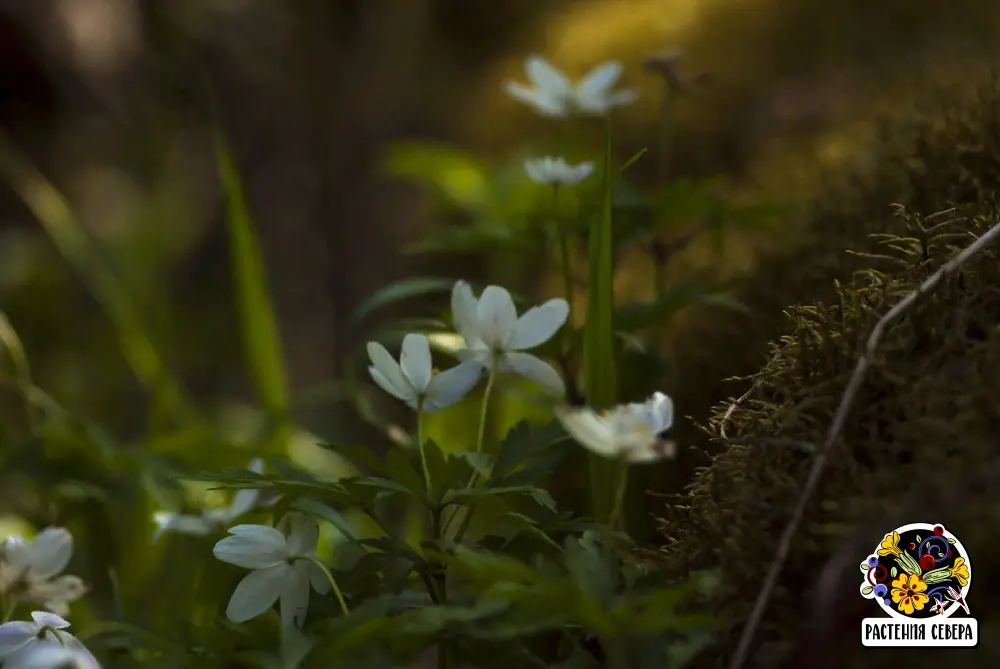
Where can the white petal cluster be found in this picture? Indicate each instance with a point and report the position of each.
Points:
(281, 568)
(43, 643)
(30, 571)
(631, 432)
(413, 379)
(552, 94)
(552, 171)
(490, 328)
(210, 520)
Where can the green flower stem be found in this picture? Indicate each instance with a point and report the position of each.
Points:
(329, 577)
(616, 511)
(420, 447)
(483, 416)
(567, 268)
(908, 564)
(939, 575)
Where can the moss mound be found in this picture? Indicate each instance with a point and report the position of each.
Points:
(922, 444)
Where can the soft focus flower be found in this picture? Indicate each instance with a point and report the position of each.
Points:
(43, 643)
(210, 520)
(552, 94)
(281, 568)
(491, 329)
(908, 593)
(960, 570)
(556, 171)
(413, 379)
(890, 545)
(29, 571)
(633, 432)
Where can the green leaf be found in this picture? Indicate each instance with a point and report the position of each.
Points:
(600, 374)
(459, 176)
(471, 496)
(918, 538)
(399, 467)
(893, 572)
(368, 625)
(437, 466)
(479, 462)
(327, 513)
(523, 444)
(632, 317)
(258, 326)
(864, 566)
(399, 291)
(867, 590)
(361, 458)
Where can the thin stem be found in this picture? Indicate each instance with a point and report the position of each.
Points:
(483, 416)
(616, 510)
(420, 447)
(567, 268)
(329, 577)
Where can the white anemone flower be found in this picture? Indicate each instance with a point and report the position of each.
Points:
(552, 94)
(30, 570)
(210, 520)
(551, 171)
(282, 569)
(413, 378)
(492, 332)
(631, 432)
(43, 643)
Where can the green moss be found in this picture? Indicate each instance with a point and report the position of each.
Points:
(923, 439)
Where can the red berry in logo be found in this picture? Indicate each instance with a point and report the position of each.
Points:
(938, 530)
(912, 546)
(927, 562)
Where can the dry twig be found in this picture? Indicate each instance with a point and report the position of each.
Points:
(839, 418)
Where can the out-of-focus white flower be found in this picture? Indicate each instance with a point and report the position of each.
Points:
(552, 94)
(43, 643)
(413, 380)
(631, 432)
(491, 329)
(29, 570)
(281, 568)
(556, 171)
(210, 520)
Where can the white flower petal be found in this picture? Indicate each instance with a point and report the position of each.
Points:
(302, 532)
(50, 551)
(48, 619)
(464, 314)
(257, 592)
(295, 596)
(390, 376)
(621, 98)
(16, 635)
(415, 361)
(51, 654)
(661, 408)
(651, 451)
(497, 317)
(245, 499)
(452, 385)
(599, 81)
(592, 430)
(543, 103)
(535, 369)
(181, 523)
(15, 551)
(538, 324)
(252, 547)
(547, 79)
(405, 393)
(579, 173)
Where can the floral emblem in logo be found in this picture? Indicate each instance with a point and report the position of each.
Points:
(918, 571)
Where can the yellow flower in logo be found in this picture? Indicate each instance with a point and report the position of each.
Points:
(890, 545)
(960, 570)
(908, 593)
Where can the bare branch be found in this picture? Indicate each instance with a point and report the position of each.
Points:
(839, 418)
(758, 380)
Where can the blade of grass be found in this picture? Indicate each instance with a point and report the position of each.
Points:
(600, 374)
(258, 325)
(22, 369)
(56, 217)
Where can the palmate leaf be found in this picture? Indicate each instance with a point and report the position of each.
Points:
(527, 447)
(473, 496)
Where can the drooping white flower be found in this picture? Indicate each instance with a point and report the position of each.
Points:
(210, 520)
(281, 569)
(552, 171)
(413, 380)
(552, 94)
(43, 643)
(632, 432)
(30, 570)
(491, 329)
